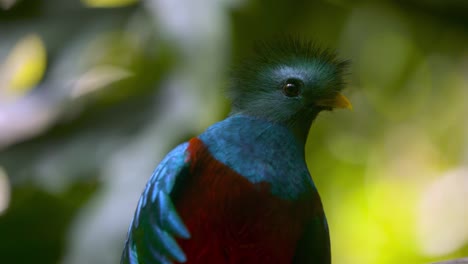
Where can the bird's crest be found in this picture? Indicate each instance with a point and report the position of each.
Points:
(291, 47)
(286, 50)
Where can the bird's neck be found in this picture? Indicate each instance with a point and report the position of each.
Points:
(294, 133)
(300, 128)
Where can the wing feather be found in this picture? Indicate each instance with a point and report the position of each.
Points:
(151, 236)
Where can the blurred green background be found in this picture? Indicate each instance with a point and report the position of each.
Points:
(93, 93)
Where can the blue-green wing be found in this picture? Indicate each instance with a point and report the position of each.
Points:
(156, 221)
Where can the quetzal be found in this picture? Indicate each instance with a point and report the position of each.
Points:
(241, 192)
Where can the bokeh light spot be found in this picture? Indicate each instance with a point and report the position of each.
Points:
(442, 214)
(6, 4)
(108, 3)
(97, 78)
(362, 238)
(4, 191)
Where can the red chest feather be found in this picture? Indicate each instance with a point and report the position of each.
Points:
(232, 220)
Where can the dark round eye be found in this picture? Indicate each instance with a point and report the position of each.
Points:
(292, 87)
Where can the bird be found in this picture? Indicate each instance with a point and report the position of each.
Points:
(241, 192)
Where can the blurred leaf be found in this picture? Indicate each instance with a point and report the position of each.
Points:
(25, 65)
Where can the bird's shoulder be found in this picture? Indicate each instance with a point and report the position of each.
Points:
(262, 152)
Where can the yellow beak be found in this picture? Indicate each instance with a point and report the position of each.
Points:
(339, 101)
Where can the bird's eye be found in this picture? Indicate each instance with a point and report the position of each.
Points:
(292, 87)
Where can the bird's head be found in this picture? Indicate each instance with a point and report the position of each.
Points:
(289, 81)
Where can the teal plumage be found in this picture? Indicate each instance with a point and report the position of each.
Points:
(241, 192)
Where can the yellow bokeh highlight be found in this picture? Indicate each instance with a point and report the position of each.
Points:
(357, 235)
(26, 64)
(108, 3)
